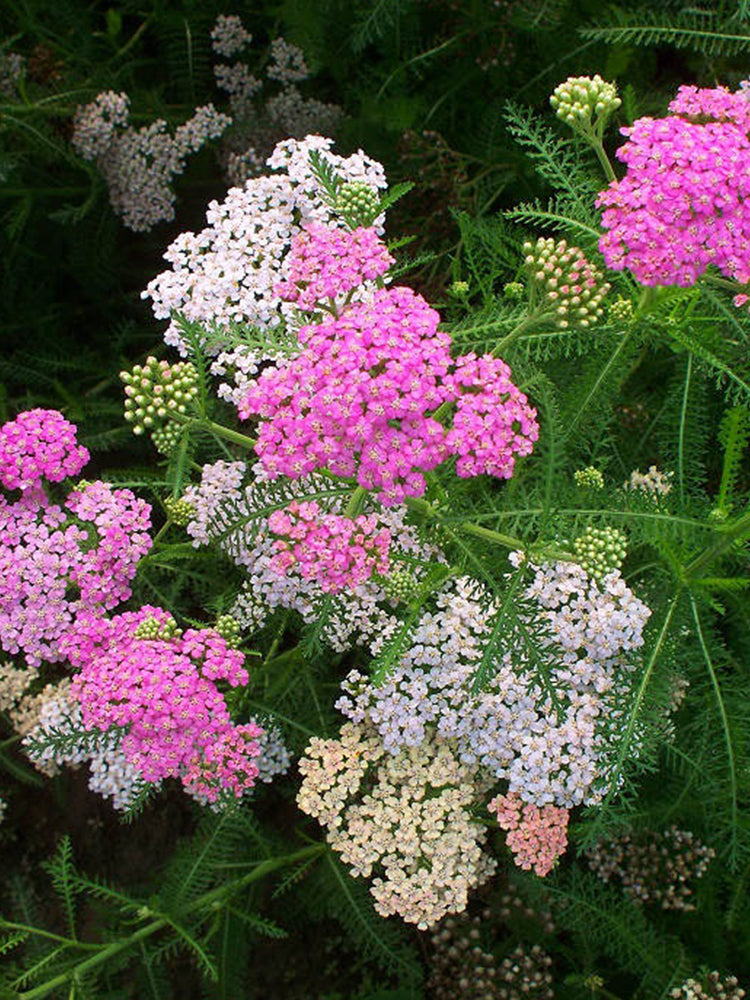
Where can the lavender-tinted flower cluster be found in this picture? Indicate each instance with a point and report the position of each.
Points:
(544, 739)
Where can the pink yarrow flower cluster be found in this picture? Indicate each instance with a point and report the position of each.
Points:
(537, 835)
(338, 552)
(493, 423)
(59, 560)
(39, 444)
(163, 693)
(360, 397)
(683, 204)
(325, 263)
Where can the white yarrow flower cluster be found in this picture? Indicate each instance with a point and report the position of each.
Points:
(550, 740)
(111, 775)
(228, 272)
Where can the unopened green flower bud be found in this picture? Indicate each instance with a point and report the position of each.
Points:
(589, 477)
(514, 290)
(585, 102)
(154, 394)
(153, 629)
(179, 511)
(401, 586)
(229, 629)
(358, 203)
(600, 551)
(569, 287)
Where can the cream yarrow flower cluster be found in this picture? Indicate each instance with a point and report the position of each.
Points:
(402, 819)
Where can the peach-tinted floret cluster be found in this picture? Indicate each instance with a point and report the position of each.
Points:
(537, 835)
(401, 819)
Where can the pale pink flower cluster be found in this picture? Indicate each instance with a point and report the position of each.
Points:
(140, 164)
(403, 820)
(229, 35)
(325, 263)
(537, 835)
(683, 204)
(357, 401)
(39, 444)
(338, 552)
(163, 692)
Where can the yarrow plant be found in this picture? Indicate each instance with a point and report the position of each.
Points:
(421, 521)
(139, 164)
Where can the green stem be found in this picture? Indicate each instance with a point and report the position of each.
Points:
(210, 899)
(604, 160)
(226, 432)
(488, 535)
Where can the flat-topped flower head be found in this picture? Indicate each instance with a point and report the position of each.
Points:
(683, 203)
(360, 400)
(339, 552)
(39, 445)
(325, 264)
(162, 692)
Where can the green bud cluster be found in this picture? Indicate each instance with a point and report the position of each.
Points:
(180, 512)
(401, 586)
(590, 477)
(621, 311)
(567, 284)
(459, 289)
(600, 551)
(155, 393)
(229, 629)
(358, 203)
(152, 628)
(582, 100)
(514, 290)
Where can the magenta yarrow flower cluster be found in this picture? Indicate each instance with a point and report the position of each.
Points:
(338, 552)
(683, 204)
(59, 560)
(325, 263)
(537, 835)
(358, 400)
(39, 444)
(163, 692)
